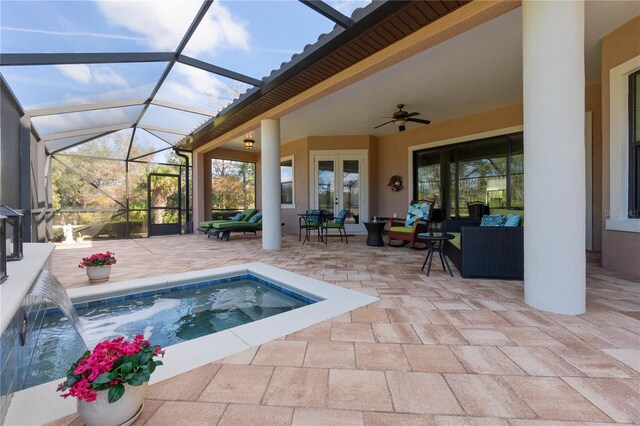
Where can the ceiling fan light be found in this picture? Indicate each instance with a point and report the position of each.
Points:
(400, 122)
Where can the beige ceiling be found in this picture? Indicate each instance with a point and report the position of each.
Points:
(475, 71)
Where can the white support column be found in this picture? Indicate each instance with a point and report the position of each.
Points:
(270, 164)
(199, 211)
(554, 155)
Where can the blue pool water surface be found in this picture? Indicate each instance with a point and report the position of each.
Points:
(165, 317)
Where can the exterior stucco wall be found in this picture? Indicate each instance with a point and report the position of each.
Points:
(393, 150)
(619, 249)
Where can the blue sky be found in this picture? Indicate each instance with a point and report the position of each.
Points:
(252, 37)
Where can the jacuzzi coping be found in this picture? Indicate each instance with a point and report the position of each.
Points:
(21, 276)
(182, 357)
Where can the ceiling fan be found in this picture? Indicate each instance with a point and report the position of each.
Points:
(401, 117)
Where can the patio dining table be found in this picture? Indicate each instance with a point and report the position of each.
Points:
(321, 218)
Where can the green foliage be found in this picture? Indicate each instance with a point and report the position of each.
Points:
(233, 184)
(89, 185)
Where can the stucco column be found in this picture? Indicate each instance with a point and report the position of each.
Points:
(270, 165)
(199, 210)
(554, 155)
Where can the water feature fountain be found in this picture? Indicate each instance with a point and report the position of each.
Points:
(51, 289)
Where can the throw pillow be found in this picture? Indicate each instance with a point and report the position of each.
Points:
(416, 212)
(513, 221)
(492, 220)
(238, 217)
(256, 217)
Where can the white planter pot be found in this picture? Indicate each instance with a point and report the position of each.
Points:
(98, 274)
(124, 411)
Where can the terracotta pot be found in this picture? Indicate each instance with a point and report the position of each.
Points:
(122, 412)
(98, 274)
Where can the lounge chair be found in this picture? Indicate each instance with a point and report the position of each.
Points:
(223, 230)
(245, 216)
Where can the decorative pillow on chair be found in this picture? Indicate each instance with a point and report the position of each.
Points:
(256, 217)
(238, 217)
(513, 221)
(492, 220)
(417, 211)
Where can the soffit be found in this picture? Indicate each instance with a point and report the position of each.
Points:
(335, 52)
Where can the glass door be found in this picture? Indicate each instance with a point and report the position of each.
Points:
(337, 184)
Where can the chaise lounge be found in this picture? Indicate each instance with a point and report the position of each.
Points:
(245, 216)
(223, 230)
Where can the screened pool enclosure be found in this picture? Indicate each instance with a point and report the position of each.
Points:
(97, 98)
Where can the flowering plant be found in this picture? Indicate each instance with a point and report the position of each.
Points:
(395, 182)
(110, 365)
(98, 259)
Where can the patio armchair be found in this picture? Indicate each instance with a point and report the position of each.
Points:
(337, 223)
(406, 231)
(310, 221)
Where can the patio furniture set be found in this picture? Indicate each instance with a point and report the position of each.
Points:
(492, 247)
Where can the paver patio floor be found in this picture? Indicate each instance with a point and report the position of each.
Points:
(432, 351)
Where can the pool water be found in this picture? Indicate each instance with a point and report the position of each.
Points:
(165, 317)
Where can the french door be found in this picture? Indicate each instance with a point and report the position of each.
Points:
(339, 182)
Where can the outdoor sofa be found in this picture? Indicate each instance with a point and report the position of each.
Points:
(486, 251)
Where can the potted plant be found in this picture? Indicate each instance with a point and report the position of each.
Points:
(110, 382)
(98, 266)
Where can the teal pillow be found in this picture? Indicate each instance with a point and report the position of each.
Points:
(417, 211)
(256, 217)
(492, 220)
(238, 217)
(513, 221)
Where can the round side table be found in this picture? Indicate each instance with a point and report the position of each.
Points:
(374, 233)
(436, 242)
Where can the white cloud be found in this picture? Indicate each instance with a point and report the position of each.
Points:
(346, 7)
(162, 24)
(194, 87)
(106, 75)
(80, 73)
(93, 74)
(71, 33)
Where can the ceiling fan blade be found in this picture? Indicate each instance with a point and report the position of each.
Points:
(383, 124)
(401, 128)
(417, 120)
(413, 114)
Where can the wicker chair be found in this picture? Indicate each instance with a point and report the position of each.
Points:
(409, 234)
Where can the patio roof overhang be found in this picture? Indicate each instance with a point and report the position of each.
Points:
(387, 23)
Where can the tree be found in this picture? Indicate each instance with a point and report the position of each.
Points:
(232, 184)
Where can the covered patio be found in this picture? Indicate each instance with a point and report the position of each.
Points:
(433, 350)
(529, 107)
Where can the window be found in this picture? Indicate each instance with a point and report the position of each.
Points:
(233, 186)
(489, 170)
(286, 182)
(634, 145)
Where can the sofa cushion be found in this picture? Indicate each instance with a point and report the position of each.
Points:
(513, 221)
(417, 211)
(492, 220)
(238, 217)
(506, 212)
(406, 229)
(456, 240)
